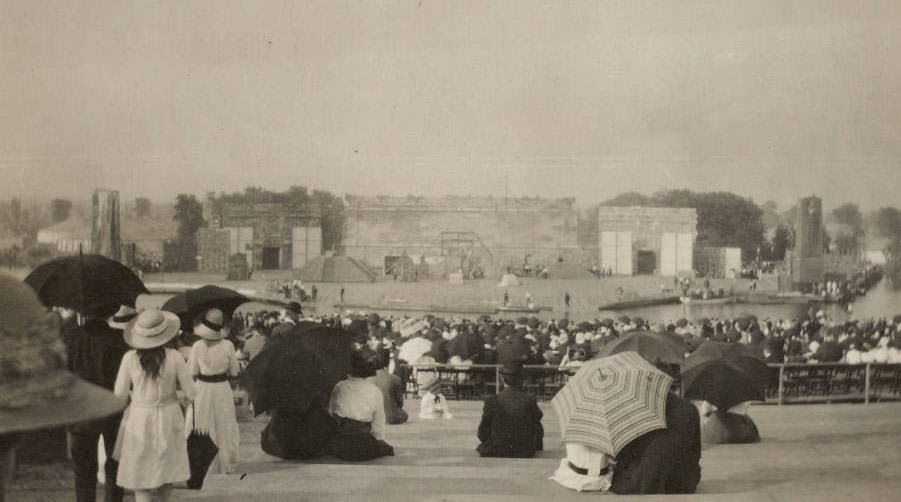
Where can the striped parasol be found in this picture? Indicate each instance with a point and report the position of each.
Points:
(611, 401)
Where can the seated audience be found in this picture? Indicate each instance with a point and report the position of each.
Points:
(358, 408)
(392, 391)
(511, 420)
(664, 460)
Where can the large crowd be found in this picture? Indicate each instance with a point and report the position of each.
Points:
(811, 339)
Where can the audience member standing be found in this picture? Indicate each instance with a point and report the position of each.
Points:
(94, 352)
(152, 448)
(212, 362)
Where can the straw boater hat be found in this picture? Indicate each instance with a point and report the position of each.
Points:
(120, 319)
(211, 326)
(151, 329)
(36, 391)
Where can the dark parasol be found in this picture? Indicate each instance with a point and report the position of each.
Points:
(193, 302)
(724, 374)
(85, 283)
(294, 372)
(654, 347)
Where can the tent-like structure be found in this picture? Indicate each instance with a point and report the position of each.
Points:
(336, 269)
(508, 280)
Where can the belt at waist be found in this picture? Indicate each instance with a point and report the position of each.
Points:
(350, 425)
(221, 377)
(155, 404)
(583, 471)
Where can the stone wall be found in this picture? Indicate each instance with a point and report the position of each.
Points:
(502, 231)
(272, 227)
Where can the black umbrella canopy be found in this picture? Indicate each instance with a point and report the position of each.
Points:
(655, 348)
(299, 370)
(724, 374)
(193, 302)
(85, 283)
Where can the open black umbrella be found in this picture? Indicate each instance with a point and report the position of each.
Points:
(193, 302)
(85, 283)
(293, 372)
(724, 374)
(654, 347)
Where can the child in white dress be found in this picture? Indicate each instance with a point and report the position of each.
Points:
(151, 445)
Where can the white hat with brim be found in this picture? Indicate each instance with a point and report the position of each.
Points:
(209, 332)
(211, 326)
(82, 402)
(151, 329)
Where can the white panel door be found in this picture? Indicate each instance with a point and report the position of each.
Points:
(314, 242)
(608, 251)
(624, 253)
(733, 260)
(684, 249)
(245, 243)
(668, 254)
(299, 246)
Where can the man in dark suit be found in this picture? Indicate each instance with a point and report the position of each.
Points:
(511, 420)
(94, 352)
(290, 317)
(663, 461)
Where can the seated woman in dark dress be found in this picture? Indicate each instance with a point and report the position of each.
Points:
(295, 434)
(358, 408)
(732, 426)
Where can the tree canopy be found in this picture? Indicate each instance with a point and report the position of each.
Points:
(724, 218)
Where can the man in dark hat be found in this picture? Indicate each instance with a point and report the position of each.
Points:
(511, 420)
(290, 316)
(94, 352)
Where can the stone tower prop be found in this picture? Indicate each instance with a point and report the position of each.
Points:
(807, 262)
(105, 239)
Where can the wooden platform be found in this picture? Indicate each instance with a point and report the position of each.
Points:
(809, 452)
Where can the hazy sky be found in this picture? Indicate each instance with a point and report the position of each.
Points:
(772, 99)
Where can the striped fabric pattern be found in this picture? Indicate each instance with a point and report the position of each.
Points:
(611, 401)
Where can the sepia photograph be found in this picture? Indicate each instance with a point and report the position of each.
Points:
(450, 250)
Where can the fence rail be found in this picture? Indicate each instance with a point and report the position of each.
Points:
(788, 383)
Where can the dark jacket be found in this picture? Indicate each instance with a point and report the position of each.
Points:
(95, 351)
(511, 425)
(393, 394)
(663, 461)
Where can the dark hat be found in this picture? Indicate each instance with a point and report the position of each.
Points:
(120, 319)
(294, 308)
(512, 368)
(373, 318)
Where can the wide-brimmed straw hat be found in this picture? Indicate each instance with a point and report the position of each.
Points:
(211, 325)
(120, 319)
(36, 391)
(151, 328)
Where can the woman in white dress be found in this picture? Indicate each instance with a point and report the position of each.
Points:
(151, 446)
(212, 362)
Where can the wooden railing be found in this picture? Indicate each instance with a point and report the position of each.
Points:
(789, 383)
